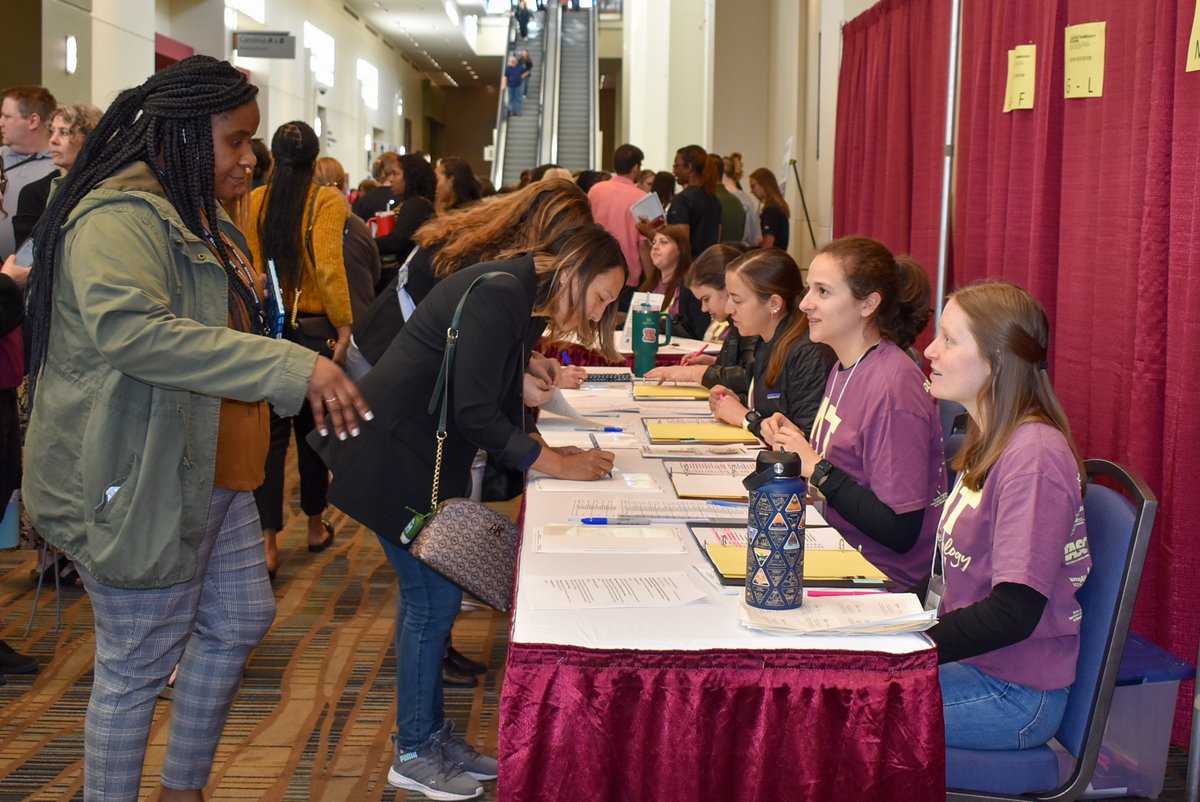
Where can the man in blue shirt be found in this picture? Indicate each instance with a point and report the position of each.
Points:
(514, 75)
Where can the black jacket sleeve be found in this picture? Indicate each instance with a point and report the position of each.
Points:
(31, 203)
(869, 515)
(734, 363)
(1008, 615)
(412, 215)
(803, 379)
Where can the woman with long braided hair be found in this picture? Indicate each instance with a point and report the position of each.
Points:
(297, 226)
(149, 424)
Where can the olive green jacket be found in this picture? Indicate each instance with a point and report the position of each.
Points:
(122, 444)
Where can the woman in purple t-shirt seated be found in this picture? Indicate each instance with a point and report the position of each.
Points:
(875, 448)
(1012, 543)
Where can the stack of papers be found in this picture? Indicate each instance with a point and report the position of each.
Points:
(860, 613)
(710, 479)
(675, 451)
(672, 589)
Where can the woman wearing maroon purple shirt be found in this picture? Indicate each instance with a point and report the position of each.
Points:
(1011, 541)
(875, 448)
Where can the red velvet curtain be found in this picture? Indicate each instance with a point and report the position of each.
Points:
(891, 119)
(1094, 205)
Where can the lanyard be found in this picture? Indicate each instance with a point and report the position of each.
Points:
(828, 429)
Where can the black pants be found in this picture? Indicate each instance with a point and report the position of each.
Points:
(314, 476)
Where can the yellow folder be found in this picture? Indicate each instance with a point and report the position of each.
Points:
(698, 433)
(662, 392)
(819, 565)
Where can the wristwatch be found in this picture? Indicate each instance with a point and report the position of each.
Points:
(820, 473)
(751, 419)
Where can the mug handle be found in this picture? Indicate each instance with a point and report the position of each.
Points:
(667, 341)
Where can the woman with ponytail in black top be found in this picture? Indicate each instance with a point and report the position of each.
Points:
(152, 360)
(789, 369)
(696, 206)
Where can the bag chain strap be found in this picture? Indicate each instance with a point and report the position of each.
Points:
(442, 385)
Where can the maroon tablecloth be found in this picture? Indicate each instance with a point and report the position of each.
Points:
(583, 724)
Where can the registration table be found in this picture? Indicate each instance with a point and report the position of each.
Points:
(682, 703)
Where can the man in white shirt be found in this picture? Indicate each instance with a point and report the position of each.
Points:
(610, 206)
(25, 116)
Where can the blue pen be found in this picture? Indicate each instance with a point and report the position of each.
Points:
(566, 359)
(619, 521)
(720, 503)
(609, 429)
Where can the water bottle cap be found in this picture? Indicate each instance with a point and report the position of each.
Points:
(773, 465)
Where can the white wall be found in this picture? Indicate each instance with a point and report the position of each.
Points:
(122, 46)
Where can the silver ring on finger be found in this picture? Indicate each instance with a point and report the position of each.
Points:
(333, 400)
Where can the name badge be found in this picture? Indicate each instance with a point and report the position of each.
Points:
(933, 596)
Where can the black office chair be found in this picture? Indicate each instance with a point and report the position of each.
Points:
(1118, 528)
(954, 430)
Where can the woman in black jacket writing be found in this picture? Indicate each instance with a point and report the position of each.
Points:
(381, 477)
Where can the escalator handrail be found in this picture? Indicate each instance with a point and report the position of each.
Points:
(548, 131)
(593, 162)
(501, 138)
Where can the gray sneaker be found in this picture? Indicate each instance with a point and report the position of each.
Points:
(427, 771)
(464, 756)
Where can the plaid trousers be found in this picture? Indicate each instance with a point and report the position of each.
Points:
(208, 626)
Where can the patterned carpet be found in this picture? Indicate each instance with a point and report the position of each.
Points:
(316, 711)
(317, 707)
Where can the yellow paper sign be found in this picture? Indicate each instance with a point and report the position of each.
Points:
(698, 433)
(1022, 63)
(1084, 69)
(667, 391)
(1193, 54)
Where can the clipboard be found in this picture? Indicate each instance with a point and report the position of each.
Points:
(826, 568)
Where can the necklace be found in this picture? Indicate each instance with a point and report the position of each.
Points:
(242, 270)
(837, 405)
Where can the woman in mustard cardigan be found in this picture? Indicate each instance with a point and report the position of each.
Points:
(298, 226)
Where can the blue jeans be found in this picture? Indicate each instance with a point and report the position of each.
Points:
(425, 613)
(514, 99)
(983, 712)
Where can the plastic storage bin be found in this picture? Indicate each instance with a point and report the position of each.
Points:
(1133, 756)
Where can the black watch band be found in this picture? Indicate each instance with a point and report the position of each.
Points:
(820, 473)
(750, 423)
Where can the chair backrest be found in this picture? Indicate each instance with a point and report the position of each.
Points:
(1118, 531)
(953, 417)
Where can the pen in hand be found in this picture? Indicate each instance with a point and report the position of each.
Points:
(596, 445)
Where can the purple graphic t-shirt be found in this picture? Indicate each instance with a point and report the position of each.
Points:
(879, 425)
(1026, 526)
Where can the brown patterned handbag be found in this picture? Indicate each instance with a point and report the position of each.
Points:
(473, 546)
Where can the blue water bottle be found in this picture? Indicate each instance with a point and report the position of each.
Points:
(775, 532)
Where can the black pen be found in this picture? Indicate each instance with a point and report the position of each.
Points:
(596, 445)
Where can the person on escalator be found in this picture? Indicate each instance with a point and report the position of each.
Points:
(514, 76)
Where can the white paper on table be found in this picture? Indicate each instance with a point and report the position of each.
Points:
(868, 613)
(559, 405)
(691, 486)
(710, 467)
(656, 510)
(580, 539)
(558, 438)
(617, 482)
(669, 589)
